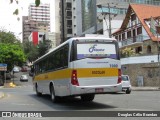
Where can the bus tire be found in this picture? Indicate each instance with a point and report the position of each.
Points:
(89, 97)
(37, 92)
(52, 93)
(128, 91)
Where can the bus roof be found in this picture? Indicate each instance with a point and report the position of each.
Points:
(73, 39)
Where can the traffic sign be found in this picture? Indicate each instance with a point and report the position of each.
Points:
(3, 67)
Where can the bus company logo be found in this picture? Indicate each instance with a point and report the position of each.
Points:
(94, 49)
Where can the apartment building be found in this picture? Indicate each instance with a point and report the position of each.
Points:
(28, 26)
(41, 14)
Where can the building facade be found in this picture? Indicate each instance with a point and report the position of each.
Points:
(142, 61)
(28, 26)
(114, 10)
(41, 14)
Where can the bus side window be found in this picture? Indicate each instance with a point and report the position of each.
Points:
(65, 56)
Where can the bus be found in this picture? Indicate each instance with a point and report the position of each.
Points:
(81, 66)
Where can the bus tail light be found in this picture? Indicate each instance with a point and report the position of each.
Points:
(74, 79)
(119, 76)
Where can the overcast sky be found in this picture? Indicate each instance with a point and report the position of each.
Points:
(9, 21)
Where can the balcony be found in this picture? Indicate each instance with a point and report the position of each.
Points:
(133, 40)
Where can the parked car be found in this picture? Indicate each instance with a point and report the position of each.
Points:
(23, 78)
(126, 85)
(16, 69)
(24, 69)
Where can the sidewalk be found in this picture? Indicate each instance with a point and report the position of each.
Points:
(145, 88)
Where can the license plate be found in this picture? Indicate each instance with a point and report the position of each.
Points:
(99, 90)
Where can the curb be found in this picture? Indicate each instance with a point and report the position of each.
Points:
(145, 89)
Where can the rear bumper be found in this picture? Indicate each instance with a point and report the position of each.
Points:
(100, 89)
(126, 88)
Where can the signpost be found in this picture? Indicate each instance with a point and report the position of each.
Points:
(3, 67)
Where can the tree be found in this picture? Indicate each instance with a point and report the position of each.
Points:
(8, 37)
(43, 47)
(11, 54)
(31, 51)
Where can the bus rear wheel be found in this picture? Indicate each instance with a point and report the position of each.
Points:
(87, 97)
(54, 98)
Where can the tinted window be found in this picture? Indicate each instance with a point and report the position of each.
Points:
(56, 60)
(125, 78)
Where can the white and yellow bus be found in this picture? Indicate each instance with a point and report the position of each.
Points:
(81, 66)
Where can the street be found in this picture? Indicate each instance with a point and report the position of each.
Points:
(23, 98)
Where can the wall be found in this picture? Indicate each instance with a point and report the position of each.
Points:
(150, 72)
(153, 46)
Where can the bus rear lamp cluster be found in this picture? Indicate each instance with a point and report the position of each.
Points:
(119, 76)
(74, 79)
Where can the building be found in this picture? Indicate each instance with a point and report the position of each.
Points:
(28, 26)
(41, 14)
(110, 15)
(49, 38)
(38, 20)
(36, 37)
(135, 33)
(58, 24)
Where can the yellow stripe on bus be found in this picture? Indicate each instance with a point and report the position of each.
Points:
(97, 72)
(81, 73)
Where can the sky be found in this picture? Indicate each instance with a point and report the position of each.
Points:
(9, 22)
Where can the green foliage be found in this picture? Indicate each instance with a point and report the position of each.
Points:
(31, 51)
(8, 37)
(11, 51)
(11, 54)
(127, 52)
(43, 48)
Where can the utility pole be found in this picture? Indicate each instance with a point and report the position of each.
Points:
(95, 13)
(109, 12)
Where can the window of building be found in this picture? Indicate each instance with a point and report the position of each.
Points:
(123, 36)
(120, 38)
(133, 17)
(139, 30)
(116, 37)
(138, 49)
(148, 49)
(129, 34)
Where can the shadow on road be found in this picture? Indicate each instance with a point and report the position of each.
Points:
(71, 103)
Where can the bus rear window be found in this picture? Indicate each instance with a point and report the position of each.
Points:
(96, 50)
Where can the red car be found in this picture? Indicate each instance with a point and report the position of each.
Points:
(23, 69)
